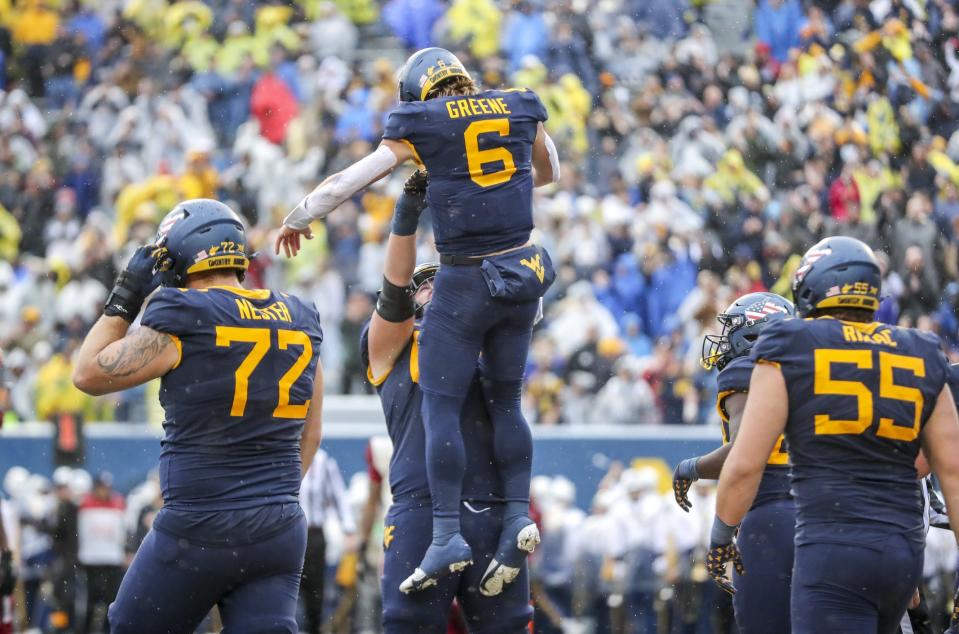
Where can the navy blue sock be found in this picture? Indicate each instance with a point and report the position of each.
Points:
(445, 461)
(512, 443)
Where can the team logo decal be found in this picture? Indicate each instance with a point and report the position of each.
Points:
(388, 536)
(535, 264)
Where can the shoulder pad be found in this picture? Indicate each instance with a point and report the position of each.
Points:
(736, 375)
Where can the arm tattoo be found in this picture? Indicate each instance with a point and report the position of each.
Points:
(133, 353)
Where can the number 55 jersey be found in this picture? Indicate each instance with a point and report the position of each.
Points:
(859, 395)
(477, 150)
(236, 401)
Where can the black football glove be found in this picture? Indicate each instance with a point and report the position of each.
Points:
(134, 284)
(416, 184)
(722, 551)
(683, 479)
(7, 577)
(409, 206)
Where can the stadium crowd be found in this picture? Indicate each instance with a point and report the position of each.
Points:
(705, 145)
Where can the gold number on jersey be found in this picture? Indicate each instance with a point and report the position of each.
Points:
(260, 338)
(477, 158)
(824, 384)
(293, 338)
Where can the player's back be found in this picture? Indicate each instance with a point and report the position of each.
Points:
(235, 404)
(858, 396)
(734, 379)
(478, 152)
(402, 400)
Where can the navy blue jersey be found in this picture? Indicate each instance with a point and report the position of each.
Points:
(235, 403)
(478, 152)
(859, 395)
(734, 379)
(402, 398)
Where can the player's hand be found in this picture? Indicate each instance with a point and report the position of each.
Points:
(683, 479)
(409, 206)
(416, 184)
(716, 559)
(289, 240)
(7, 578)
(135, 283)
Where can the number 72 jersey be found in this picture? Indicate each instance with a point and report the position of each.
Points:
(859, 395)
(477, 150)
(235, 403)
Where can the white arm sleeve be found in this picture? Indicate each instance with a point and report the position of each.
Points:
(553, 156)
(330, 194)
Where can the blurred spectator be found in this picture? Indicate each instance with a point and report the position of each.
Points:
(722, 137)
(101, 549)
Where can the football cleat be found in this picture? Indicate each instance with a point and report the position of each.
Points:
(440, 561)
(518, 539)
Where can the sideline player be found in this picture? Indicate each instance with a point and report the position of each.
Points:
(857, 399)
(485, 152)
(242, 392)
(390, 347)
(761, 603)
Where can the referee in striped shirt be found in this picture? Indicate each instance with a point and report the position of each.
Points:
(321, 492)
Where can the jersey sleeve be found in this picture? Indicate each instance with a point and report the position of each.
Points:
(954, 382)
(168, 311)
(773, 343)
(733, 379)
(534, 105)
(404, 122)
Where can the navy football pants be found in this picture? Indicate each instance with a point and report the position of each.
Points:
(462, 321)
(425, 612)
(844, 589)
(761, 602)
(172, 584)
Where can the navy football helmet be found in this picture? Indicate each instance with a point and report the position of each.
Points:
(423, 274)
(837, 272)
(742, 322)
(200, 235)
(425, 69)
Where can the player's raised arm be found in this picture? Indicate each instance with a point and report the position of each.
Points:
(313, 425)
(335, 190)
(392, 323)
(545, 159)
(111, 359)
(940, 444)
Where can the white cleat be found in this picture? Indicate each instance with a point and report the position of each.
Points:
(528, 539)
(498, 575)
(496, 578)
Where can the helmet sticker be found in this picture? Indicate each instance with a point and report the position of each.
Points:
(811, 257)
(763, 309)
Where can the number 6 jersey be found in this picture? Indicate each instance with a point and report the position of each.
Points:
(859, 395)
(235, 403)
(477, 150)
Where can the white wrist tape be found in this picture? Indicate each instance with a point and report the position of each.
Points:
(553, 156)
(332, 192)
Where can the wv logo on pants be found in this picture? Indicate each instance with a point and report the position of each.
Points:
(535, 264)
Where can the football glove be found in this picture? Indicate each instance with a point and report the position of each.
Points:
(409, 206)
(683, 479)
(7, 578)
(134, 284)
(722, 551)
